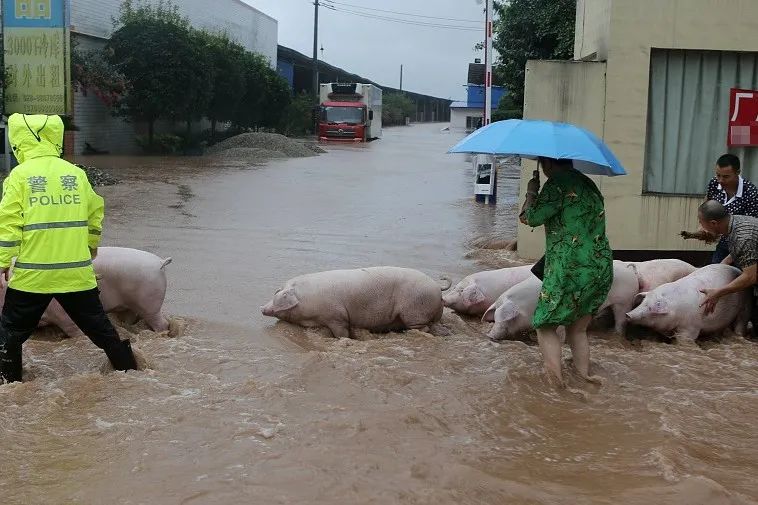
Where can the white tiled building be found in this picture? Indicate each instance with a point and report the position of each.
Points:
(91, 26)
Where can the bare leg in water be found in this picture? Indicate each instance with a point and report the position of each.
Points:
(550, 347)
(576, 335)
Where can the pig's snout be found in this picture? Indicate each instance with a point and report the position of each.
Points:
(497, 333)
(268, 309)
(452, 300)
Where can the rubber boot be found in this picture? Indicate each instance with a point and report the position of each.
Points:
(121, 356)
(10, 364)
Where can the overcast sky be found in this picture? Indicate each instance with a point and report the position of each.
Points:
(435, 59)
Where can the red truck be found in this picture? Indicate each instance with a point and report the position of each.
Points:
(350, 112)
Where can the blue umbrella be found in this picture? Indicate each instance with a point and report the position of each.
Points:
(532, 138)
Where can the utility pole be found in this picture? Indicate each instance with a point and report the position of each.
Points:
(315, 49)
(488, 64)
(401, 77)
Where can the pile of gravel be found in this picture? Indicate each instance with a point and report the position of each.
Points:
(255, 153)
(265, 143)
(97, 177)
(315, 148)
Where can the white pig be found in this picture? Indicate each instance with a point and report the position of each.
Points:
(674, 308)
(654, 273)
(129, 280)
(620, 298)
(475, 293)
(513, 312)
(377, 299)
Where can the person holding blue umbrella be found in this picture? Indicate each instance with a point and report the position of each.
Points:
(578, 263)
(577, 269)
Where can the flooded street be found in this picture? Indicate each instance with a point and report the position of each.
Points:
(240, 409)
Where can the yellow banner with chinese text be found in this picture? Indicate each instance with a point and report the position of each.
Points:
(37, 71)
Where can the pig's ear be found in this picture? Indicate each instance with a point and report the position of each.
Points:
(506, 312)
(660, 306)
(489, 316)
(472, 294)
(285, 300)
(639, 298)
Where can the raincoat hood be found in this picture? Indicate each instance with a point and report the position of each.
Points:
(32, 136)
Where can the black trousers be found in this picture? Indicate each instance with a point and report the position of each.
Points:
(21, 315)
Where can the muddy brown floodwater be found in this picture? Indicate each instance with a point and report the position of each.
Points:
(239, 409)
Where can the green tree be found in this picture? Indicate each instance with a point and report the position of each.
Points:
(156, 66)
(227, 58)
(266, 94)
(198, 75)
(278, 97)
(169, 72)
(530, 30)
(507, 108)
(249, 113)
(298, 118)
(396, 107)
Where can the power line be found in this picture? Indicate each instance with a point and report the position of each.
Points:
(402, 21)
(405, 21)
(403, 13)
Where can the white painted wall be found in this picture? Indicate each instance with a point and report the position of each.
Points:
(256, 31)
(458, 118)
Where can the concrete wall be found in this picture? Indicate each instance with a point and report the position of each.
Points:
(571, 92)
(637, 221)
(593, 29)
(248, 26)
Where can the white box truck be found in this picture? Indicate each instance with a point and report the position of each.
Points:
(350, 112)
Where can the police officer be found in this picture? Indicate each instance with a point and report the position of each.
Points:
(50, 221)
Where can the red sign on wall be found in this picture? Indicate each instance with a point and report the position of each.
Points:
(743, 118)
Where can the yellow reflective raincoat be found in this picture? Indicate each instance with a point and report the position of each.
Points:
(50, 217)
